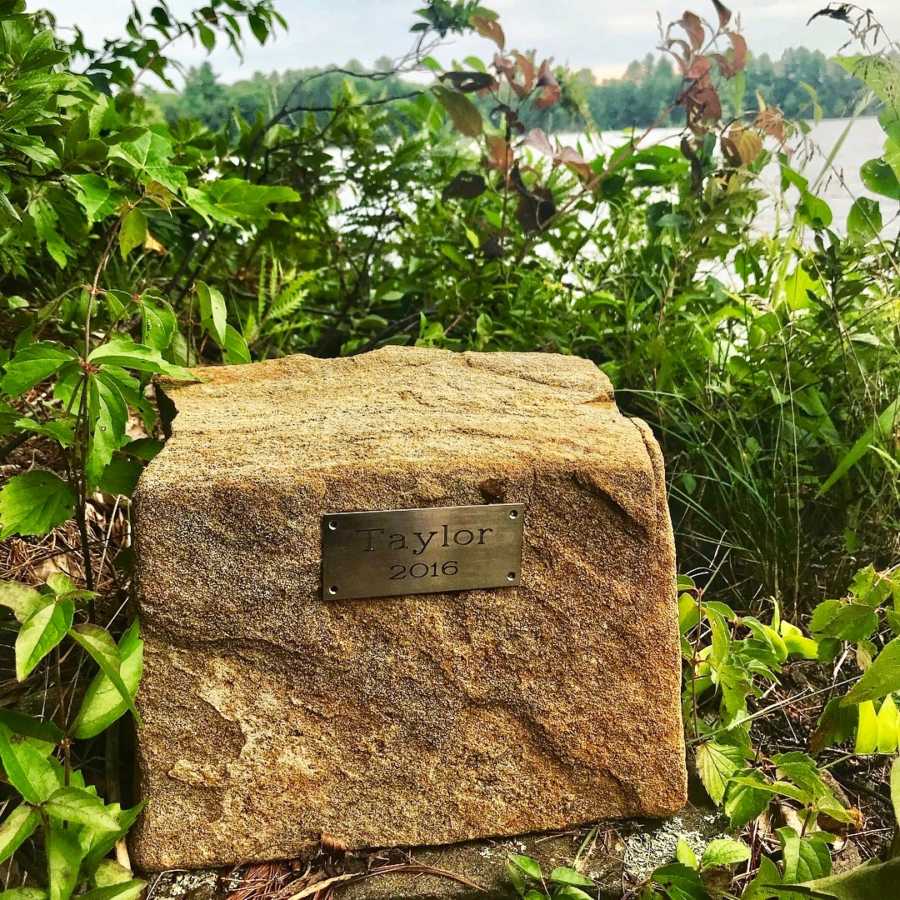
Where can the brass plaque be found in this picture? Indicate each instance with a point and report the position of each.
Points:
(421, 551)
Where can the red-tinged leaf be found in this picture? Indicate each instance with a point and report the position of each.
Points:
(739, 45)
(500, 155)
(526, 67)
(537, 139)
(505, 66)
(574, 161)
(724, 13)
(724, 64)
(490, 29)
(548, 96)
(693, 26)
(771, 121)
(699, 67)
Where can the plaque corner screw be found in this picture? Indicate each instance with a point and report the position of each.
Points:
(514, 514)
(333, 589)
(332, 525)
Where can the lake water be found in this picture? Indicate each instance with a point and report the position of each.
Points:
(839, 182)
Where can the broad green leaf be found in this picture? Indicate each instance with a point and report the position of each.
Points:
(158, 323)
(716, 763)
(148, 158)
(124, 890)
(804, 858)
(531, 867)
(724, 852)
(566, 875)
(881, 678)
(81, 807)
(797, 644)
(132, 231)
(235, 351)
(120, 477)
(109, 413)
(685, 854)
(680, 882)
(814, 211)
(24, 893)
(746, 796)
(35, 502)
(569, 892)
(103, 650)
(864, 223)
(887, 726)
(16, 828)
(61, 430)
(878, 176)
(836, 724)
(63, 862)
(103, 703)
(866, 728)
(869, 881)
(99, 197)
(766, 877)
(33, 364)
(27, 768)
(212, 311)
(233, 200)
(22, 599)
(44, 731)
(40, 633)
(130, 355)
(98, 843)
(464, 114)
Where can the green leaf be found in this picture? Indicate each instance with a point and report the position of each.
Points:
(34, 502)
(41, 633)
(746, 797)
(101, 842)
(684, 853)
(99, 197)
(213, 313)
(797, 644)
(233, 200)
(158, 324)
(63, 862)
(531, 867)
(882, 429)
(895, 789)
(464, 114)
(724, 852)
(880, 178)
(103, 703)
(887, 726)
(766, 877)
(44, 731)
(27, 767)
(866, 728)
(716, 763)
(73, 804)
(565, 875)
(148, 158)
(236, 351)
(24, 893)
(130, 355)
(109, 414)
(99, 644)
(864, 222)
(804, 858)
(120, 477)
(866, 882)
(124, 890)
(132, 232)
(836, 724)
(17, 827)
(680, 882)
(881, 678)
(814, 211)
(61, 430)
(22, 599)
(32, 365)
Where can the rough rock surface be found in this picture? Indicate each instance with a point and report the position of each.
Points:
(272, 716)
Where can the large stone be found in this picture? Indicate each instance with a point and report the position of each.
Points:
(272, 716)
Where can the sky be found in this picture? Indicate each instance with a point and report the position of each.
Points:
(597, 34)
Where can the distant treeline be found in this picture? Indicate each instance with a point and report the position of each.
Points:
(802, 82)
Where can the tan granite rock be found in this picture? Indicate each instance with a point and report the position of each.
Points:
(272, 716)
